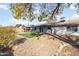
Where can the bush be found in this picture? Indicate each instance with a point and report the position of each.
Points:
(6, 34)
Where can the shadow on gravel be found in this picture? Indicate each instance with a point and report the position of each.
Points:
(16, 42)
(67, 40)
(7, 50)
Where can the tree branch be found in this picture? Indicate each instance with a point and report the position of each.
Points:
(55, 11)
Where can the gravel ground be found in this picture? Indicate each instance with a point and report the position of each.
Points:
(45, 45)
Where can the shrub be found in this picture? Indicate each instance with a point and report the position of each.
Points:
(6, 34)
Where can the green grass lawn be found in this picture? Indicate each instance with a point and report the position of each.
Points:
(29, 34)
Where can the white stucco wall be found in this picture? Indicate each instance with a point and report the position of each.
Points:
(59, 30)
(63, 31)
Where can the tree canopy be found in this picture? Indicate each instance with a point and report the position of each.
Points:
(47, 11)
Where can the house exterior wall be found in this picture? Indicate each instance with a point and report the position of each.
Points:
(59, 30)
(41, 29)
(44, 29)
(64, 31)
(78, 29)
(37, 29)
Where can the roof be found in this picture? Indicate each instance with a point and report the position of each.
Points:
(69, 22)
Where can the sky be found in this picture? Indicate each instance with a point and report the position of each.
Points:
(6, 18)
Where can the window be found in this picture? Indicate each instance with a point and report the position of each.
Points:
(74, 28)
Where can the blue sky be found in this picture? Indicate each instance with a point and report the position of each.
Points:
(5, 15)
(6, 18)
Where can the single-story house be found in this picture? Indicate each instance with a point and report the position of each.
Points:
(70, 26)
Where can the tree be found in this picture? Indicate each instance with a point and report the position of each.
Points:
(50, 10)
(46, 10)
(22, 10)
(26, 10)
